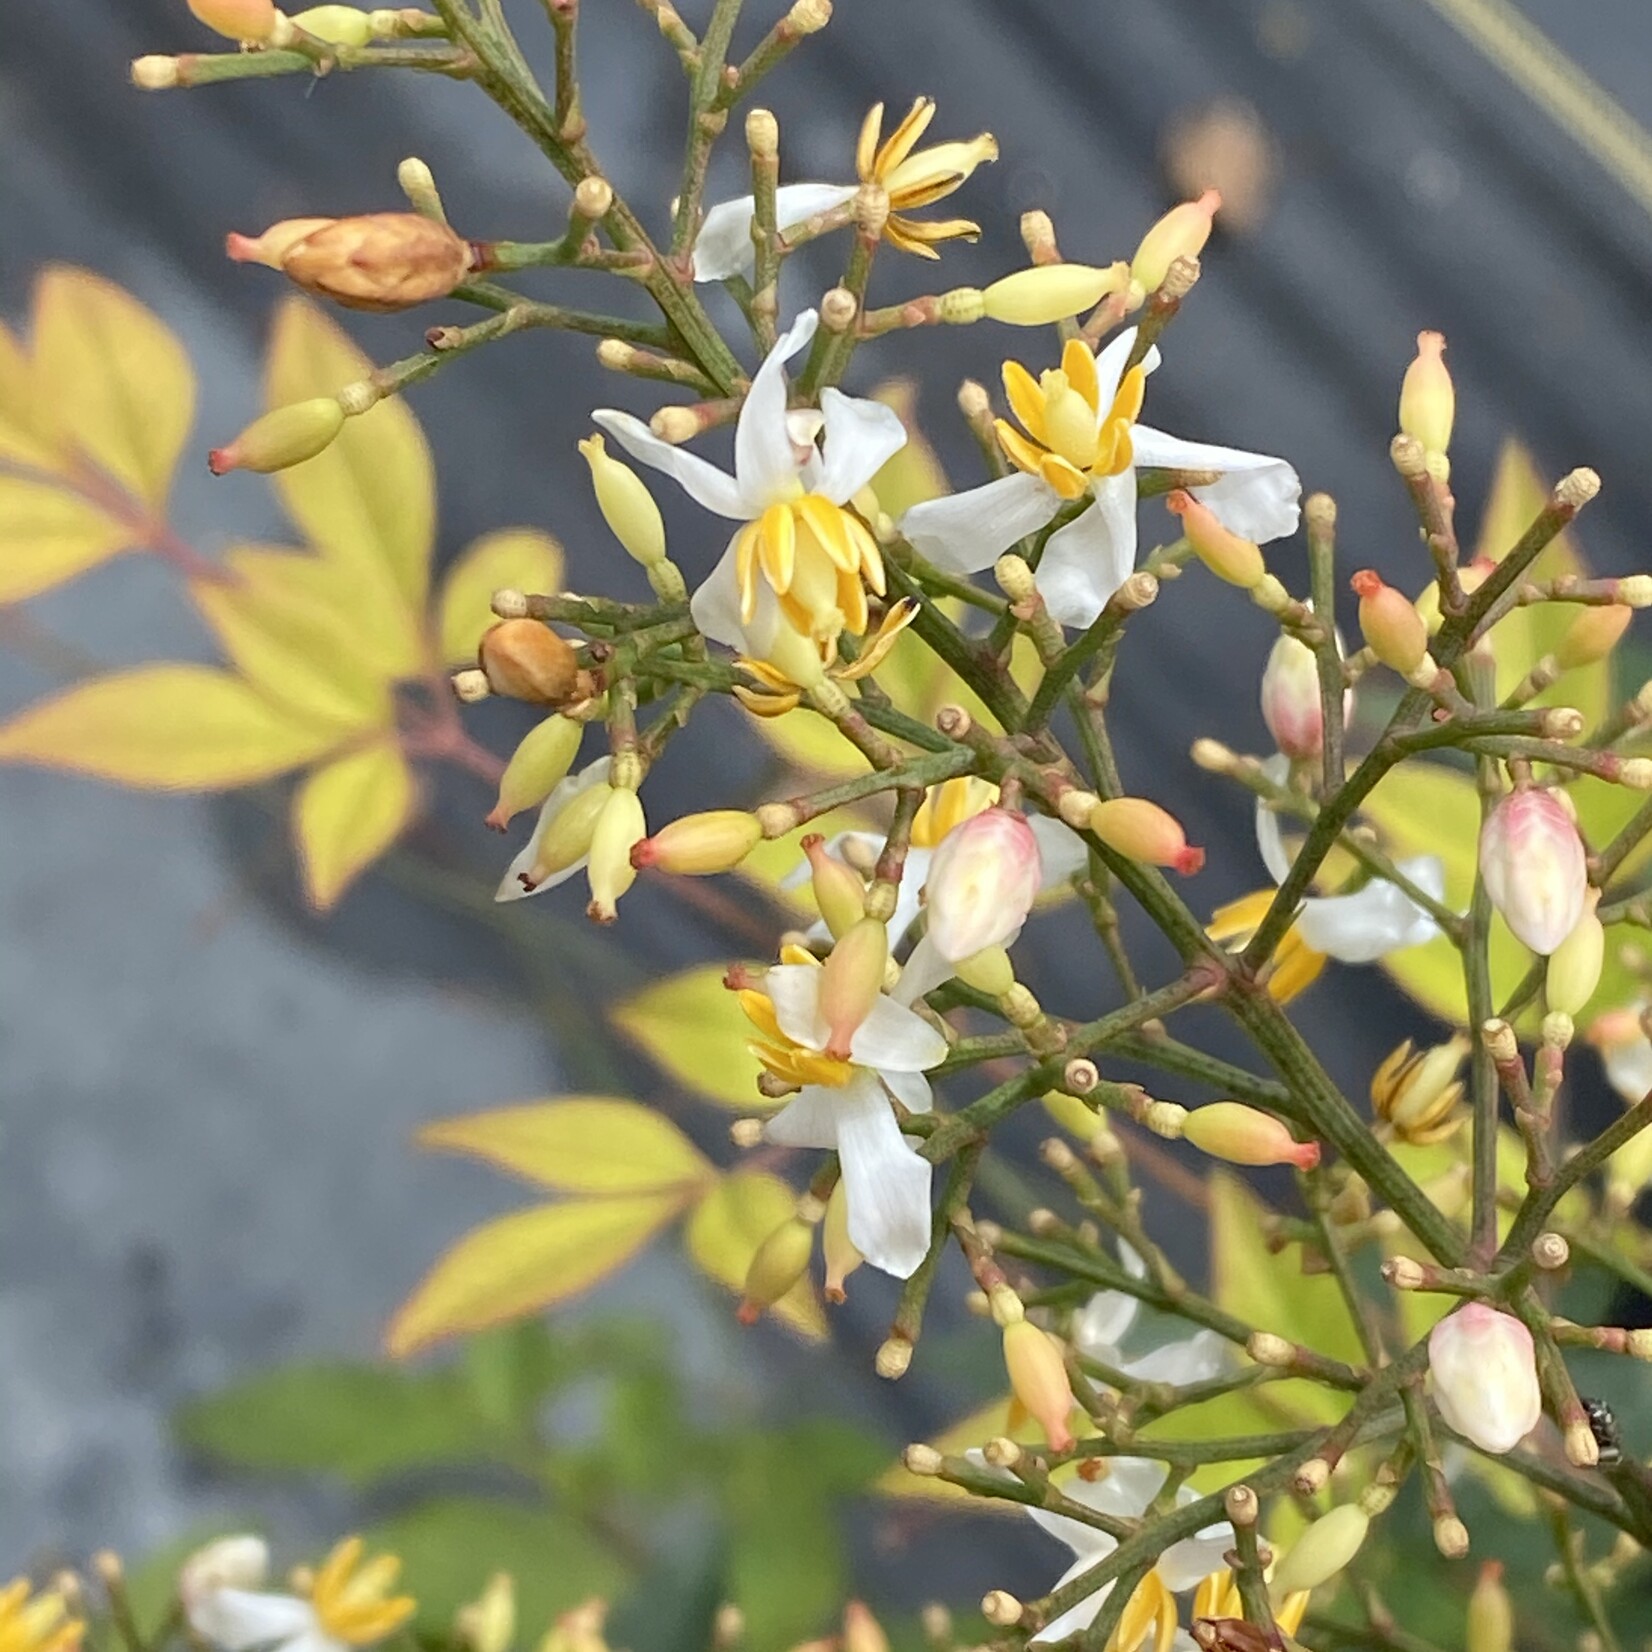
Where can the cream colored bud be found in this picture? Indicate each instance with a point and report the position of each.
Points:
(1038, 237)
(1576, 488)
(1180, 233)
(1048, 293)
(809, 16)
(1636, 774)
(973, 401)
(961, 307)
(1404, 1273)
(762, 134)
(1635, 591)
(1561, 723)
(626, 504)
(1312, 1477)
(924, 1460)
(674, 424)
(1213, 757)
(1267, 1349)
(337, 25)
(1002, 1452)
(1582, 1448)
(838, 309)
(1080, 1076)
(1001, 1609)
(777, 819)
(593, 198)
(418, 182)
(619, 826)
(155, 73)
(1551, 1252)
(1076, 806)
(746, 1133)
(1167, 1119)
(1321, 1552)
(1015, 577)
(1451, 1537)
(894, 1360)
(470, 686)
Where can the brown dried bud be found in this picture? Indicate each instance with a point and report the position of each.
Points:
(381, 261)
(527, 661)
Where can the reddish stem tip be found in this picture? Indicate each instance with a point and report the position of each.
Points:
(644, 854)
(1189, 860)
(221, 459)
(1306, 1155)
(1177, 501)
(748, 1313)
(1367, 582)
(496, 819)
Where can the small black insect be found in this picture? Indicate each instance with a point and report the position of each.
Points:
(1604, 1426)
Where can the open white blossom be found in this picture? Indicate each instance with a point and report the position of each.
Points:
(1100, 1327)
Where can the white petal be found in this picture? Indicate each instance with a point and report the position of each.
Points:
(886, 1183)
(1080, 1616)
(925, 970)
(236, 1619)
(1110, 360)
(966, 532)
(1376, 920)
(1197, 1358)
(1187, 1564)
(1100, 1325)
(1270, 832)
(861, 437)
(794, 990)
(1629, 1068)
(1061, 850)
(809, 1119)
(723, 246)
(510, 886)
(704, 483)
(894, 1039)
(765, 461)
(1088, 1543)
(1128, 1486)
(1088, 560)
(911, 1090)
(909, 898)
(715, 610)
(1256, 496)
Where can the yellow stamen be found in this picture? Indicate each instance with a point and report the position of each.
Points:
(40, 1623)
(1150, 1611)
(352, 1601)
(777, 546)
(904, 139)
(916, 178)
(1295, 965)
(1080, 367)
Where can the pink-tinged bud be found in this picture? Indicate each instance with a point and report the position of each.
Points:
(526, 660)
(284, 437)
(851, 980)
(1575, 965)
(838, 1249)
(697, 845)
(1592, 635)
(1490, 1625)
(250, 20)
(1485, 1376)
(861, 1631)
(1038, 1379)
(617, 830)
(1290, 699)
(1245, 1135)
(982, 883)
(380, 261)
(1396, 632)
(780, 1261)
(1533, 862)
(537, 767)
(1238, 561)
(1428, 403)
(270, 248)
(1143, 831)
(839, 892)
(1321, 1552)
(1180, 233)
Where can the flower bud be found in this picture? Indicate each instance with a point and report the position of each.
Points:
(1290, 699)
(537, 767)
(1575, 965)
(780, 1261)
(982, 883)
(1180, 233)
(1416, 1092)
(1321, 1552)
(1485, 1376)
(1049, 293)
(989, 971)
(1229, 557)
(861, 1631)
(1427, 401)
(839, 892)
(1038, 1379)
(1143, 831)
(1490, 1625)
(564, 838)
(488, 1623)
(528, 661)
(1533, 862)
(250, 20)
(626, 504)
(852, 980)
(838, 1249)
(697, 845)
(1396, 632)
(380, 261)
(285, 436)
(1592, 635)
(238, 1562)
(617, 829)
(1246, 1135)
(337, 25)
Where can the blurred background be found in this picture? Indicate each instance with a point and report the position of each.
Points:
(207, 1096)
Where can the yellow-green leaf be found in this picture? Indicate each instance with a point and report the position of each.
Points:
(347, 813)
(163, 727)
(577, 1144)
(369, 499)
(48, 535)
(116, 378)
(523, 1263)
(520, 559)
(28, 434)
(691, 1025)
(914, 474)
(738, 1213)
(284, 620)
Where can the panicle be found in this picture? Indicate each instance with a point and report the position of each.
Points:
(982, 883)
(1485, 1376)
(1532, 860)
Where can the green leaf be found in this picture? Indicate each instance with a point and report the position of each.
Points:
(692, 1026)
(360, 1422)
(522, 559)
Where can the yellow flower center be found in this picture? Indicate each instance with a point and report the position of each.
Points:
(914, 180)
(352, 1600)
(38, 1624)
(1065, 438)
(817, 558)
(784, 1057)
(1150, 1612)
(1218, 1597)
(950, 804)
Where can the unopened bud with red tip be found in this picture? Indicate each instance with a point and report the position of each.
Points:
(1048, 293)
(379, 261)
(841, 1256)
(851, 980)
(780, 1261)
(982, 883)
(618, 828)
(1592, 635)
(284, 437)
(1246, 1135)
(626, 504)
(1575, 965)
(1533, 863)
(537, 767)
(1238, 561)
(1322, 1552)
(839, 892)
(1038, 1374)
(1490, 1626)
(1393, 629)
(1428, 403)
(1180, 233)
(1485, 1376)
(1141, 830)
(526, 660)
(701, 844)
(1291, 703)
(253, 21)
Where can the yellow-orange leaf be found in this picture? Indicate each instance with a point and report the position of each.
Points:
(163, 727)
(284, 619)
(523, 1263)
(346, 814)
(118, 381)
(520, 559)
(577, 1144)
(369, 499)
(691, 1025)
(733, 1219)
(48, 535)
(28, 435)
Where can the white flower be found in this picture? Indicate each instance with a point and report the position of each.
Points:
(723, 247)
(845, 1105)
(800, 554)
(1084, 440)
(1101, 1325)
(569, 849)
